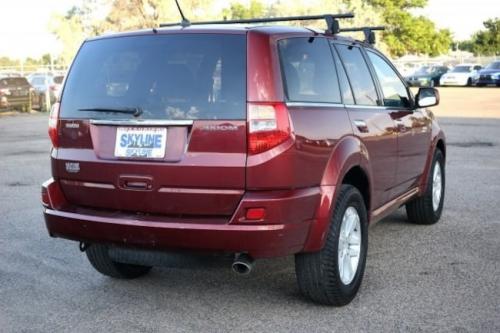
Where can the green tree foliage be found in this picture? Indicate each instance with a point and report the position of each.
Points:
(143, 14)
(487, 42)
(417, 35)
(69, 29)
(8, 62)
(407, 33)
(237, 10)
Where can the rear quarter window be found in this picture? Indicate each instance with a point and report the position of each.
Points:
(308, 70)
(360, 78)
(184, 76)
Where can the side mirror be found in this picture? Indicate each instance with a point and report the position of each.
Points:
(427, 97)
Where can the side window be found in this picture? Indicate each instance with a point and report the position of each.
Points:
(359, 75)
(345, 87)
(308, 70)
(394, 90)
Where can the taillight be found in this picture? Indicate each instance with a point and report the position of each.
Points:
(268, 126)
(53, 121)
(4, 91)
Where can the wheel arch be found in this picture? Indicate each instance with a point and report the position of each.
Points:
(438, 142)
(348, 164)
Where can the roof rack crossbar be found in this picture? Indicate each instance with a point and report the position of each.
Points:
(367, 31)
(331, 21)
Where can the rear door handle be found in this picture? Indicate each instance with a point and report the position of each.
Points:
(361, 125)
(401, 127)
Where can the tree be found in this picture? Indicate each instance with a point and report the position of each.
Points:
(487, 42)
(406, 33)
(69, 29)
(143, 14)
(237, 10)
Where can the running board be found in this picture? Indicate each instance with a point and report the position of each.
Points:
(393, 205)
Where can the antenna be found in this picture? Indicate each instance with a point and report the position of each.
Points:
(185, 22)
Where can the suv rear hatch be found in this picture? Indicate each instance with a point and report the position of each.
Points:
(155, 124)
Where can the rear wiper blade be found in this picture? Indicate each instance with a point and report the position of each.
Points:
(136, 112)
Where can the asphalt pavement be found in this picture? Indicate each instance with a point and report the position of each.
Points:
(444, 277)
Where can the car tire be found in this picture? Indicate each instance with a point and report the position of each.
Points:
(480, 84)
(99, 258)
(427, 208)
(319, 274)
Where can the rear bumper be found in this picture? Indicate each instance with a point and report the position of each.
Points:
(6, 102)
(453, 82)
(284, 231)
(257, 240)
(484, 81)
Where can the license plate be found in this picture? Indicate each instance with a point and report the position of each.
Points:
(19, 93)
(140, 142)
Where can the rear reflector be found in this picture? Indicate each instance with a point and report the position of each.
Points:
(53, 122)
(255, 214)
(52, 196)
(268, 126)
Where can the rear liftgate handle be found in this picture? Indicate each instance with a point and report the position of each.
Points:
(136, 183)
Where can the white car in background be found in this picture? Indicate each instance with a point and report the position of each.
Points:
(460, 75)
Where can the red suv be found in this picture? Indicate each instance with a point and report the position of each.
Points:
(253, 141)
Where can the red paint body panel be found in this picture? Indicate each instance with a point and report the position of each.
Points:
(196, 197)
(209, 161)
(283, 230)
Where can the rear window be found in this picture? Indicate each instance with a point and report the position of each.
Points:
(184, 76)
(39, 80)
(15, 81)
(309, 70)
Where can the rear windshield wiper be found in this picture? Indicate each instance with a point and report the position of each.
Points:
(136, 112)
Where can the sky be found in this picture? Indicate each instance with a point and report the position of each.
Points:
(24, 24)
(24, 28)
(462, 17)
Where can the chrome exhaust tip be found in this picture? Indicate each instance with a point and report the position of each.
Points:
(242, 264)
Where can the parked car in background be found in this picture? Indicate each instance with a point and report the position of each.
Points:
(488, 75)
(42, 82)
(58, 80)
(305, 138)
(407, 68)
(427, 76)
(15, 93)
(460, 75)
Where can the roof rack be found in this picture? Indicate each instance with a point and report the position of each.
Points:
(368, 31)
(331, 21)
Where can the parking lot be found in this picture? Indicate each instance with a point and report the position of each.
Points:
(444, 277)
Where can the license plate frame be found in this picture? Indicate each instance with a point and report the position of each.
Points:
(140, 142)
